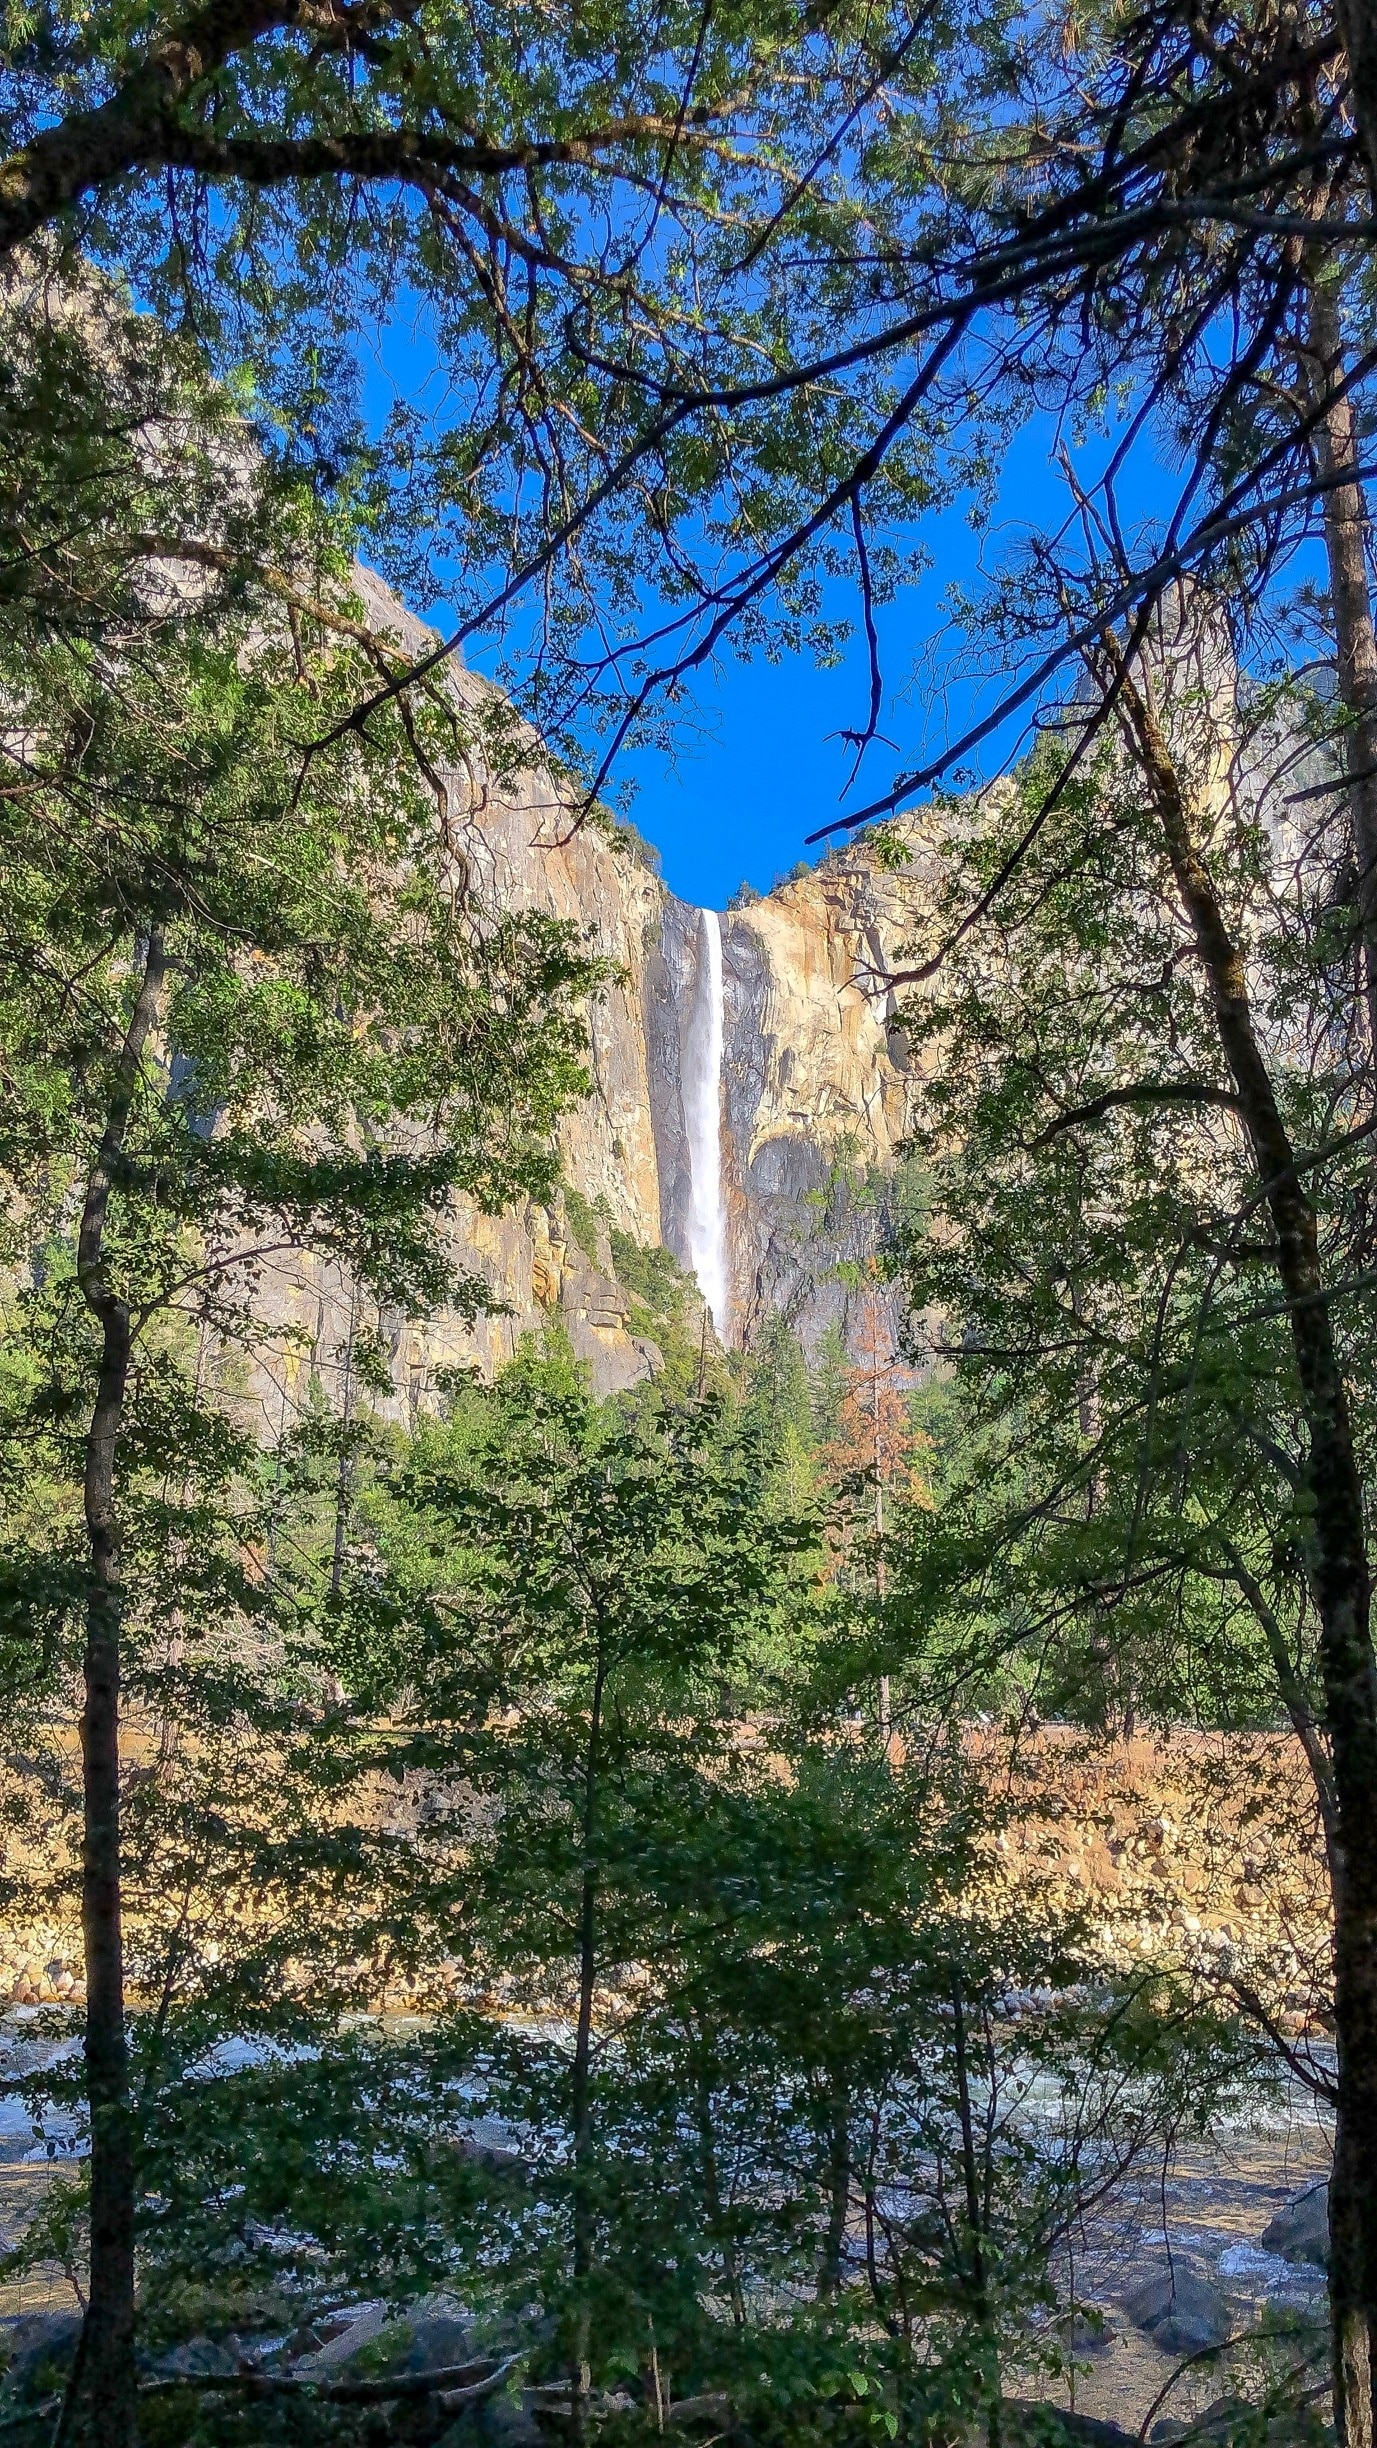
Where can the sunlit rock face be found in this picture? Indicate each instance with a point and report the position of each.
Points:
(776, 1018)
(811, 1100)
(816, 1086)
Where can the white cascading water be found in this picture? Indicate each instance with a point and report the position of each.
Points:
(702, 1091)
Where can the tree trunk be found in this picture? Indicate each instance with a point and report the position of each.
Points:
(718, 2221)
(106, 2382)
(1342, 1583)
(839, 2185)
(581, 2094)
(1345, 535)
(974, 2272)
(1359, 30)
(886, 1723)
(344, 1475)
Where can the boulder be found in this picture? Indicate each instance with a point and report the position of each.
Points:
(368, 2321)
(1180, 2311)
(435, 2342)
(492, 2158)
(1091, 2431)
(1300, 2231)
(1092, 2330)
(198, 2355)
(499, 2421)
(1035, 2424)
(1218, 2422)
(1234, 2418)
(519, 2332)
(1225, 2415)
(715, 2407)
(40, 2347)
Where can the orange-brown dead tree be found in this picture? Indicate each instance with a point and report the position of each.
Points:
(875, 1454)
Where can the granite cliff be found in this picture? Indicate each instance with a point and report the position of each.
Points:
(773, 1017)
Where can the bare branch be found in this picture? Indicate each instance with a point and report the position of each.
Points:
(458, 2384)
(1144, 1092)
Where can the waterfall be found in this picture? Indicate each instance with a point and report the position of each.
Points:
(702, 1091)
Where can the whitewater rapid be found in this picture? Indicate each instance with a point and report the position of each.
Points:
(702, 1091)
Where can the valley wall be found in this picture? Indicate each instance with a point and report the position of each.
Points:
(813, 1100)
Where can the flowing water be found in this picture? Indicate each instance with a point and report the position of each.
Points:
(702, 1093)
(1202, 2214)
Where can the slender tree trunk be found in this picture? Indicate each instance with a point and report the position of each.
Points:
(878, 1466)
(106, 2400)
(839, 2184)
(872, 2263)
(712, 2195)
(976, 2274)
(1345, 536)
(1342, 1585)
(1358, 26)
(1295, 1698)
(1100, 1640)
(581, 2100)
(344, 1475)
(886, 1723)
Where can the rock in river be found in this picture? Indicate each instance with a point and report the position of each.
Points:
(40, 2346)
(1180, 2311)
(1300, 2231)
(436, 2342)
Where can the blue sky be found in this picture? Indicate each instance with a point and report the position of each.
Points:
(762, 765)
(759, 764)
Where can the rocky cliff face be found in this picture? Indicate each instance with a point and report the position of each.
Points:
(813, 1087)
(812, 1098)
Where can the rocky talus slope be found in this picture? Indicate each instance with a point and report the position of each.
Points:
(1198, 1852)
